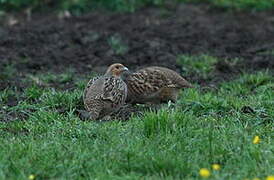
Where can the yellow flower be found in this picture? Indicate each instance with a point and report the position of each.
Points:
(216, 167)
(256, 140)
(204, 172)
(31, 177)
(270, 178)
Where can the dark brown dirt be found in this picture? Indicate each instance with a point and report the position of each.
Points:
(151, 36)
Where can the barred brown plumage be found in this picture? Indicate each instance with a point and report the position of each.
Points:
(106, 94)
(154, 85)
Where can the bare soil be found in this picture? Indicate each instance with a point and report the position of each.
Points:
(150, 36)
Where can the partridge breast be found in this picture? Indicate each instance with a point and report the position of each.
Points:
(104, 95)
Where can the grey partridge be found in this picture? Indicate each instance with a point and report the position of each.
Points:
(154, 85)
(105, 94)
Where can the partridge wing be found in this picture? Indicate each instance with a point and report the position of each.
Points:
(146, 81)
(89, 84)
(174, 79)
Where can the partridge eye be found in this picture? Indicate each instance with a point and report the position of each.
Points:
(117, 67)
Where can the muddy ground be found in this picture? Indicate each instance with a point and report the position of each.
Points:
(150, 36)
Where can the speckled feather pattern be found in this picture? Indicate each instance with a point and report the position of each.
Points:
(91, 81)
(154, 85)
(114, 90)
(104, 95)
(174, 78)
(145, 82)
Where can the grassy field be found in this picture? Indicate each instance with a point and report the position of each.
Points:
(208, 125)
(80, 6)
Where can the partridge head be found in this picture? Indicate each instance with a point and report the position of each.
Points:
(116, 70)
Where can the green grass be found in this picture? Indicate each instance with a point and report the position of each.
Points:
(117, 45)
(80, 6)
(77, 6)
(245, 4)
(202, 64)
(7, 71)
(203, 128)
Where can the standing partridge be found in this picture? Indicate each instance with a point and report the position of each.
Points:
(105, 94)
(154, 85)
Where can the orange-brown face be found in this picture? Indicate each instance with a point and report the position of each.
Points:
(116, 69)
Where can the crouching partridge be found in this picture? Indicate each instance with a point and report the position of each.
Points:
(154, 85)
(106, 94)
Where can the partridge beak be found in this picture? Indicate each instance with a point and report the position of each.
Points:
(125, 69)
